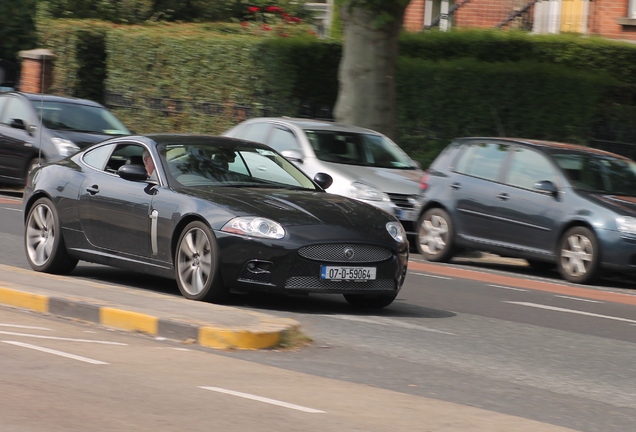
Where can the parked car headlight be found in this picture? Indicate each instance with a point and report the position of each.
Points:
(396, 230)
(363, 191)
(626, 224)
(65, 147)
(255, 227)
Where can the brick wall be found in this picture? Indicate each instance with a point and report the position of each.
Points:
(414, 16)
(32, 78)
(603, 21)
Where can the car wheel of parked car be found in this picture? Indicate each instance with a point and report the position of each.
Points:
(197, 264)
(435, 235)
(578, 259)
(43, 240)
(363, 301)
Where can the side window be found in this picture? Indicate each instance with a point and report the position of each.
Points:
(483, 160)
(256, 132)
(124, 154)
(282, 139)
(16, 109)
(528, 167)
(98, 157)
(3, 103)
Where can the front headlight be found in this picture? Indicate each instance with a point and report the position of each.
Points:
(255, 227)
(396, 230)
(363, 191)
(65, 147)
(626, 224)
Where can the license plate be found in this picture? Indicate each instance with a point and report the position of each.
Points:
(347, 273)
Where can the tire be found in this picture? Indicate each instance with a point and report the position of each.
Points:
(579, 256)
(542, 266)
(43, 241)
(369, 302)
(196, 265)
(435, 236)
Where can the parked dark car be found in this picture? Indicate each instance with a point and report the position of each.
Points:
(550, 203)
(67, 124)
(223, 215)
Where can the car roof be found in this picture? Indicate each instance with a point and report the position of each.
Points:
(546, 145)
(184, 138)
(54, 98)
(315, 124)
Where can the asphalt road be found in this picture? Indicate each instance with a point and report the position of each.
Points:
(496, 336)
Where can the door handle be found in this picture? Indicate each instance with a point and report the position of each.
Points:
(455, 186)
(503, 196)
(93, 189)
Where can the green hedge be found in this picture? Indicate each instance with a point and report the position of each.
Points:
(441, 100)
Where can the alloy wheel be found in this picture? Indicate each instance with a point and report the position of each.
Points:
(194, 261)
(40, 235)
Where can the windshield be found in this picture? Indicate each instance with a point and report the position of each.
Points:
(358, 149)
(201, 165)
(598, 173)
(65, 116)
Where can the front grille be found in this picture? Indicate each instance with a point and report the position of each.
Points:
(314, 283)
(263, 277)
(401, 200)
(336, 253)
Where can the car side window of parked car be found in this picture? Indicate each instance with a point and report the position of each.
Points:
(16, 109)
(282, 139)
(528, 167)
(484, 160)
(255, 132)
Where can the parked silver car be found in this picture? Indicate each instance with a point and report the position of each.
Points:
(364, 164)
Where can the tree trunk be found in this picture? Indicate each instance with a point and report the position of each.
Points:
(366, 95)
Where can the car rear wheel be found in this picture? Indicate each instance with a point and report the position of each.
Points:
(43, 241)
(371, 302)
(435, 235)
(578, 259)
(197, 264)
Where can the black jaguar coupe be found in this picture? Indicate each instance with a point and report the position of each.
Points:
(217, 214)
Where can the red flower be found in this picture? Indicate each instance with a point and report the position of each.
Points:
(244, 24)
(253, 9)
(294, 19)
(266, 27)
(274, 9)
(284, 35)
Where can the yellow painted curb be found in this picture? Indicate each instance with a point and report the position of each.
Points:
(243, 339)
(24, 300)
(127, 320)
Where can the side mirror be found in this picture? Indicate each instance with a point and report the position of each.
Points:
(133, 172)
(547, 187)
(293, 155)
(323, 180)
(18, 124)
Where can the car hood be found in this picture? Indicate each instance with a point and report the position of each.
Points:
(623, 205)
(81, 139)
(389, 180)
(294, 207)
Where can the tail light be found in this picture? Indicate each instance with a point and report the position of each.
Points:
(424, 181)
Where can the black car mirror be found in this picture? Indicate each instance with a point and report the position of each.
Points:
(547, 187)
(133, 172)
(18, 124)
(323, 180)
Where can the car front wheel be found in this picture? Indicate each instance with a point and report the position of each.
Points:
(578, 259)
(43, 241)
(197, 264)
(435, 235)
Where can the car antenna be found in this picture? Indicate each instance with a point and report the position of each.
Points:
(41, 112)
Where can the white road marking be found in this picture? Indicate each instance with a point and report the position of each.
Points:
(507, 287)
(59, 353)
(388, 322)
(263, 399)
(579, 299)
(63, 339)
(25, 327)
(430, 275)
(535, 305)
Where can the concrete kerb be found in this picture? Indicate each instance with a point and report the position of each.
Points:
(260, 331)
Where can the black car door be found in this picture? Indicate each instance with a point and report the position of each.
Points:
(115, 214)
(17, 146)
